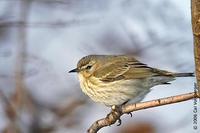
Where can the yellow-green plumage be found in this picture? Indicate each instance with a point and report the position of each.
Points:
(116, 79)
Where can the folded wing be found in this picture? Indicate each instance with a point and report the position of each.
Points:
(126, 68)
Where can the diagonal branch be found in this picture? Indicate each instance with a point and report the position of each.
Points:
(113, 116)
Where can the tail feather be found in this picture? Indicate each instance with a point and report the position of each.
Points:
(183, 74)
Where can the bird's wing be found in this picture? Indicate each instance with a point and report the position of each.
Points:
(124, 69)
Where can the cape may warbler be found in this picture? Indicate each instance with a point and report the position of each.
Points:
(117, 79)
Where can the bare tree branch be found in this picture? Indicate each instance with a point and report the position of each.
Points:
(115, 115)
(66, 109)
(20, 96)
(54, 24)
(195, 6)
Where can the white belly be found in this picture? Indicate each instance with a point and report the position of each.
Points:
(114, 93)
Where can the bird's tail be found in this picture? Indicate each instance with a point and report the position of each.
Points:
(166, 73)
(182, 74)
(169, 76)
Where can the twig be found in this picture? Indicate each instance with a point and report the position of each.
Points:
(66, 109)
(113, 116)
(15, 103)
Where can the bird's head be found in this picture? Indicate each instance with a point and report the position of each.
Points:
(87, 65)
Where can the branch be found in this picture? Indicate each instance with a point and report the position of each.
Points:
(55, 24)
(14, 104)
(195, 6)
(115, 115)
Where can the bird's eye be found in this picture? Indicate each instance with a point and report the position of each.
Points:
(88, 67)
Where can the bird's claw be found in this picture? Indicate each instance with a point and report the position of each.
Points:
(130, 114)
(119, 122)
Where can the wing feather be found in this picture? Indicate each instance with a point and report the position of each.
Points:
(126, 68)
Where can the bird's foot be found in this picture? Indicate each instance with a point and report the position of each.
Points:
(130, 114)
(116, 110)
(119, 122)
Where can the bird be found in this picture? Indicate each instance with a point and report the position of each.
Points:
(115, 80)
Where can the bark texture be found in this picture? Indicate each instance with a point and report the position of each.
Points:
(195, 6)
(115, 115)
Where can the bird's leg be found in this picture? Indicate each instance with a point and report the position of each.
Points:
(117, 109)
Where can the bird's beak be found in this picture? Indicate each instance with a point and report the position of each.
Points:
(74, 70)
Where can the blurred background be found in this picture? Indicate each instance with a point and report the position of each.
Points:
(41, 40)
